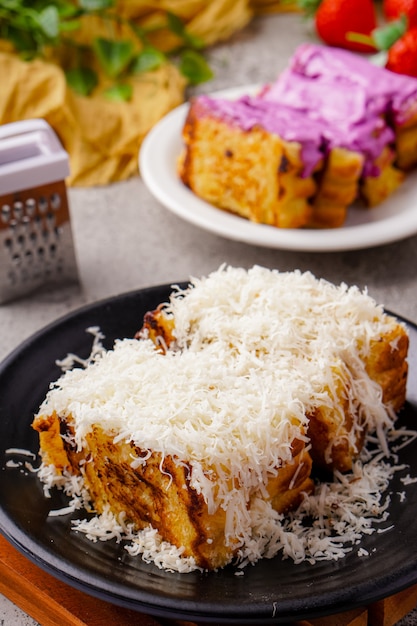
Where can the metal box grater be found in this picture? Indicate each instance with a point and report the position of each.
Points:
(36, 244)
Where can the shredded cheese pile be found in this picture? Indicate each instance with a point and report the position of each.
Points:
(255, 352)
(311, 330)
(326, 526)
(274, 313)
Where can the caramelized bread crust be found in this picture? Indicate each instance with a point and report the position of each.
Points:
(375, 189)
(259, 176)
(158, 492)
(406, 146)
(337, 189)
(387, 365)
(253, 174)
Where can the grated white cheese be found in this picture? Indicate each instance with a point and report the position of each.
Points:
(20, 451)
(255, 352)
(97, 348)
(327, 525)
(204, 413)
(292, 319)
(12, 463)
(409, 480)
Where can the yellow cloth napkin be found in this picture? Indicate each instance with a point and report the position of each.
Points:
(102, 137)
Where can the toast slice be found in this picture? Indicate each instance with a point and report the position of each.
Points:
(253, 173)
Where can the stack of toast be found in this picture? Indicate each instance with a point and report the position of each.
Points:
(229, 395)
(331, 130)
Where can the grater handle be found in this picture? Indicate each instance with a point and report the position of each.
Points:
(23, 126)
(30, 155)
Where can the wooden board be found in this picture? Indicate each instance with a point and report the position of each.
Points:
(53, 603)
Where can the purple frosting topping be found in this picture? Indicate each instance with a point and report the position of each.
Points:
(326, 98)
(385, 92)
(344, 112)
(289, 124)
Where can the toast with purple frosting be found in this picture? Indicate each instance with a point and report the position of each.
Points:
(331, 130)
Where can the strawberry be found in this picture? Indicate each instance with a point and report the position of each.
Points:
(392, 9)
(402, 55)
(399, 44)
(334, 19)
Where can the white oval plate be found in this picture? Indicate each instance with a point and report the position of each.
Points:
(394, 219)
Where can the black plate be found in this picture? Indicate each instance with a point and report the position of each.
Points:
(273, 591)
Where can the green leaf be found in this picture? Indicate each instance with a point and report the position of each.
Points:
(48, 20)
(194, 41)
(12, 5)
(147, 60)
(309, 7)
(69, 26)
(22, 40)
(27, 23)
(82, 80)
(386, 36)
(95, 5)
(194, 67)
(114, 56)
(67, 10)
(175, 24)
(119, 93)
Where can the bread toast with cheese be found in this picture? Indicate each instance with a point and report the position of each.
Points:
(227, 396)
(336, 428)
(158, 492)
